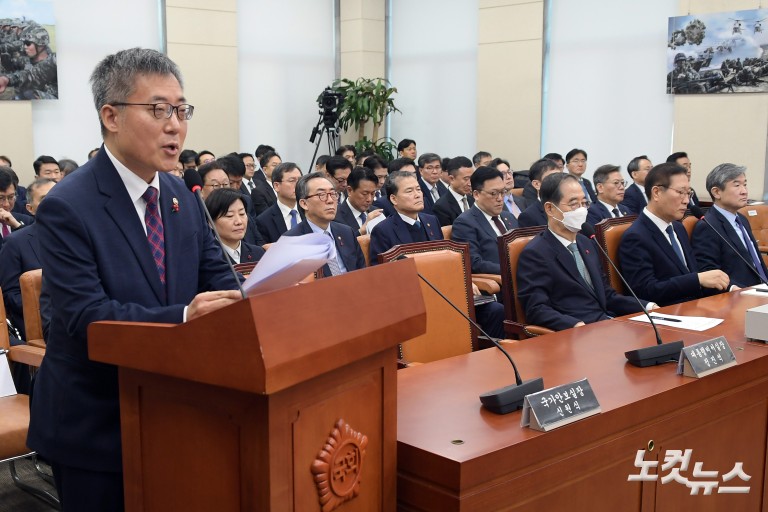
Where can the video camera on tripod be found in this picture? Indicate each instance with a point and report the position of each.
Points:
(330, 102)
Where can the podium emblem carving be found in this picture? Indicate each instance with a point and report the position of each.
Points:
(339, 466)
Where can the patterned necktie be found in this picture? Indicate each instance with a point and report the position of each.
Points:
(294, 222)
(363, 218)
(155, 231)
(332, 263)
(751, 248)
(499, 225)
(464, 204)
(249, 186)
(615, 212)
(675, 246)
(6, 230)
(580, 264)
(435, 194)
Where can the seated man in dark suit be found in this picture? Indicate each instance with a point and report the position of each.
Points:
(610, 192)
(379, 167)
(576, 164)
(655, 255)
(234, 166)
(227, 210)
(727, 185)
(284, 214)
(634, 195)
(560, 281)
(9, 219)
(20, 254)
(534, 215)
(459, 197)
(338, 169)
(263, 195)
(681, 159)
(398, 164)
(430, 168)
(482, 224)
(318, 197)
(513, 203)
(357, 211)
(408, 224)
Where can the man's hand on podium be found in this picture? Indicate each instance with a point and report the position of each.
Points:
(207, 302)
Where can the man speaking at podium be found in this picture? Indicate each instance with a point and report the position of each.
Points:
(118, 241)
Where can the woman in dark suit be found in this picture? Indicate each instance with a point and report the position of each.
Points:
(229, 215)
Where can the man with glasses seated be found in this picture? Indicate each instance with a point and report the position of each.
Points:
(576, 164)
(338, 169)
(214, 176)
(284, 214)
(318, 197)
(430, 169)
(560, 281)
(514, 204)
(9, 220)
(482, 224)
(655, 254)
(610, 192)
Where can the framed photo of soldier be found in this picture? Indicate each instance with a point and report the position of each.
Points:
(723, 52)
(28, 69)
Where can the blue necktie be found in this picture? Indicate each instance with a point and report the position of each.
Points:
(751, 249)
(363, 217)
(675, 247)
(580, 266)
(294, 221)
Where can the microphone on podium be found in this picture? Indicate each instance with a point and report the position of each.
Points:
(194, 183)
(647, 356)
(699, 214)
(503, 400)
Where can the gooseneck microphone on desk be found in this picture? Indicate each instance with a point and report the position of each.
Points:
(503, 400)
(194, 183)
(646, 356)
(699, 214)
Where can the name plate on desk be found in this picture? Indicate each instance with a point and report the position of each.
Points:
(706, 357)
(558, 406)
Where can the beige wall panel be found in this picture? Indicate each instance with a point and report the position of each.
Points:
(485, 4)
(16, 138)
(723, 128)
(215, 125)
(362, 35)
(218, 5)
(355, 65)
(509, 106)
(356, 9)
(511, 23)
(200, 27)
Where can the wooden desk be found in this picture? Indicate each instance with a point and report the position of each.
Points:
(454, 455)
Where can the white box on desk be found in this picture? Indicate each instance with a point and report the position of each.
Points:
(756, 323)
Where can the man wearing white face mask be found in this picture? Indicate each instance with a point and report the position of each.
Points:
(560, 281)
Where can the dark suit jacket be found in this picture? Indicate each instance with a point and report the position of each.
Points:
(530, 193)
(447, 208)
(597, 212)
(652, 268)
(590, 190)
(28, 220)
(252, 234)
(712, 253)
(634, 199)
(429, 202)
(394, 231)
(18, 255)
(472, 227)
(534, 215)
(98, 266)
(271, 224)
(384, 203)
(263, 196)
(553, 292)
(249, 253)
(345, 216)
(347, 247)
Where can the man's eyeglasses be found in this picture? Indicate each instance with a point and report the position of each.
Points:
(323, 196)
(9, 198)
(164, 110)
(218, 185)
(682, 193)
(577, 162)
(576, 204)
(619, 183)
(250, 166)
(494, 193)
(431, 168)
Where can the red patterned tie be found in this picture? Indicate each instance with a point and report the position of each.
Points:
(155, 231)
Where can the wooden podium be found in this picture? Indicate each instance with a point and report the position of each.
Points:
(285, 401)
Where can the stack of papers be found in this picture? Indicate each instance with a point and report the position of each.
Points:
(288, 261)
(692, 323)
(758, 291)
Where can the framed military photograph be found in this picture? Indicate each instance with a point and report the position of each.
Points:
(28, 68)
(722, 52)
